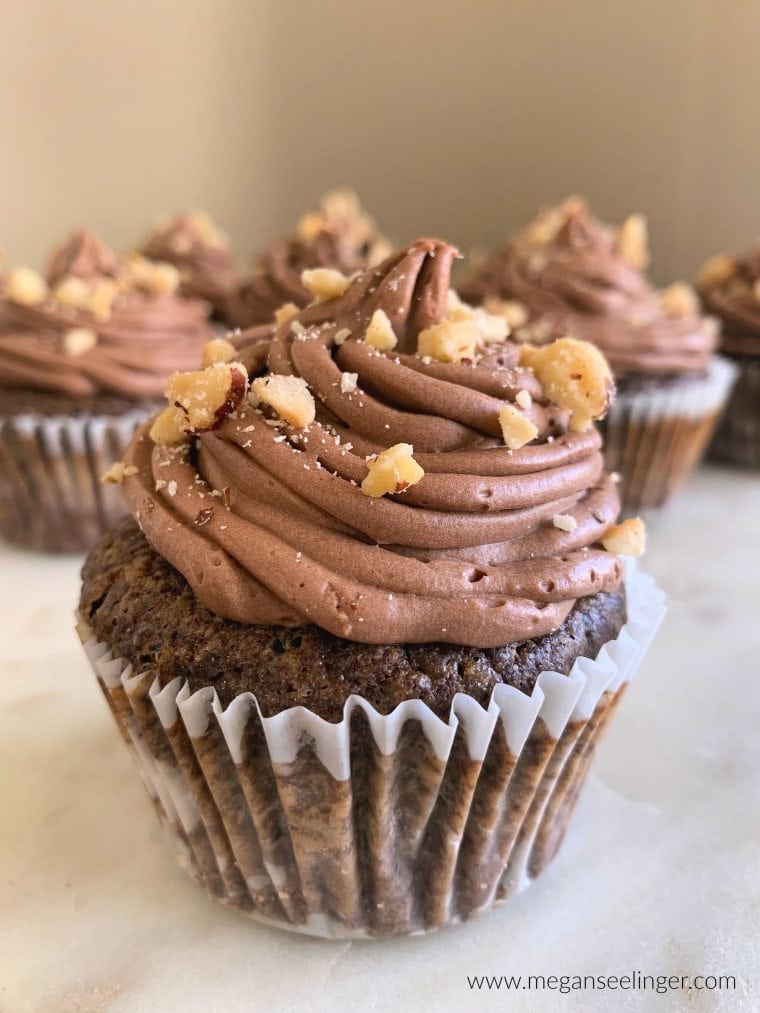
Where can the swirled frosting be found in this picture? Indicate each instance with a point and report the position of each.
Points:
(98, 328)
(571, 274)
(733, 295)
(338, 235)
(200, 251)
(269, 525)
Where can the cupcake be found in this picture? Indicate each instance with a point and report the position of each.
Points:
(84, 356)
(568, 273)
(730, 288)
(370, 616)
(201, 253)
(340, 235)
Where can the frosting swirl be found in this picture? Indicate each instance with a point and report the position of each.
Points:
(102, 325)
(269, 525)
(200, 251)
(339, 235)
(574, 275)
(730, 288)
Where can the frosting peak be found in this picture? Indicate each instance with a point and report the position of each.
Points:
(83, 255)
(456, 538)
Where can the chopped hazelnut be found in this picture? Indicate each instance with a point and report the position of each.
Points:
(289, 396)
(449, 341)
(117, 473)
(157, 277)
(574, 375)
(309, 226)
(286, 312)
(627, 538)
(100, 299)
(341, 336)
(564, 522)
(72, 291)
(391, 471)
(523, 399)
(79, 340)
(380, 333)
(679, 300)
(207, 229)
(348, 382)
(325, 283)
(516, 428)
(513, 312)
(200, 401)
(25, 287)
(218, 350)
(633, 241)
(716, 271)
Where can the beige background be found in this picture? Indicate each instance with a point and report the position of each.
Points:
(450, 118)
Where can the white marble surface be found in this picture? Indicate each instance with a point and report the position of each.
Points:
(660, 872)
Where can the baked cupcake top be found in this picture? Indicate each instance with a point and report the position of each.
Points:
(201, 253)
(340, 235)
(97, 324)
(400, 473)
(730, 288)
(568, 273)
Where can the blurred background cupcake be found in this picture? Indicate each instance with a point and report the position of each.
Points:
(339, 235)
(84, 356)
(568, 273)
(730, 288)
(200, 251)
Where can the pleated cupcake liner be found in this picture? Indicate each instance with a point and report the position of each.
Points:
(737, 438)
(654, 439)
(51, 496)
(377, 824)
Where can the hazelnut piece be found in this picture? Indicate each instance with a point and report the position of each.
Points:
(200, 401)
(324, 283)
(715, 271)
(391, 471)
(380, 333)
(575, 376)
(218, 350)
(679, 300)
(289, 396)
(79, 340)
(633, 241)
(449, 341)
(25, 287)
(516, 428)
(627, 538)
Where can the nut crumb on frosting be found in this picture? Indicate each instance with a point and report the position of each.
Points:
(633, 241)
(348, 382)
(200, 401)
(324, 283)
(574, 375)
(380, 333)
(25, 286)
(78, 340)
(679, 300)
(627, 538)
(523, 399)
(392, 471)
(286, 312)
(117, 473)
(565, 522)
(516, 428)
(512, 311)
(218, 350)
(716, 271)
(449, 341)
(289, 396)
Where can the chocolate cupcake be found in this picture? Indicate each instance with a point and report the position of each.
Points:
(730, 288)
(340, 235)
(84, 356)
(568, 273)
(201, 253)
(370, 620)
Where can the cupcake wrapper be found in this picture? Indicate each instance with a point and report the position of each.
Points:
(655, 438)
(737, 438)
(378, 824)
(51, 497)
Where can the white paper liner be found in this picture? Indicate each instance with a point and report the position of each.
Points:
(655, 438)
(264, 809)
(51, 496)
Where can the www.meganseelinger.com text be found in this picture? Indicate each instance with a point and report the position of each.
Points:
(634, 981)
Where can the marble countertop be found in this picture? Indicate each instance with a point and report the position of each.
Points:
(659, 874)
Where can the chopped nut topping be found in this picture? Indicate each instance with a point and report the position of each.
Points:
(117, 473)
(391, 471)
(200, 401)
(218, 350)
(491, 327)
(627, 538)
(523, 399)
(449, 341)
(154, 276)
(72, 291)
(348, 382)
(289, 396)
(513, 312)
(325, 283)
(79, 340)
(100, 299)
(25, 287)
(309, 226)
(544, 229)
(516, 428)
(380, 333)
(716, 271)
(207, 229)
(679, 300)
(575, 376)
(633, 241)
(286, 312)
(565, 522)
(341, 336)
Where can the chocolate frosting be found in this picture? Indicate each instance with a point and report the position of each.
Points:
(339, 235)
(269, 525)
(736, 301)
(566, 270)
(200, 251)
(146, 337)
